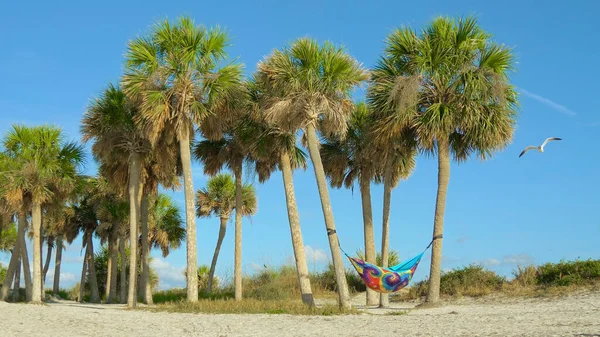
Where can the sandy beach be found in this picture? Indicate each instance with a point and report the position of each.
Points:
(575, 315)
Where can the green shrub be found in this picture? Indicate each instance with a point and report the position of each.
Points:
(472, 280)
(2, 274)
(567, 273)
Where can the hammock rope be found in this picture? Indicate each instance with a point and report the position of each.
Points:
(388, 279)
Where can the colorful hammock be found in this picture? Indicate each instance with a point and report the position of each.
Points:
(389, 279)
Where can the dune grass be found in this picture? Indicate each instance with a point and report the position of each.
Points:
(550, 279)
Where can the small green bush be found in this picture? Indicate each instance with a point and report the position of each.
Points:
(566, 273)
(472, 280)
(2, 274)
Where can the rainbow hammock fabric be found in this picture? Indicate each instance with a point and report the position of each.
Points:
(386, 280)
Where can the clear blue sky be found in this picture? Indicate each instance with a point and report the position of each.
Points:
(57, 55)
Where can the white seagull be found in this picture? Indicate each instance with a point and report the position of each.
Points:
(539, 148)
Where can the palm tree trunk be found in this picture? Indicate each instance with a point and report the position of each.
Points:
(369, 233)
(109, 273)
(94, 294)
(25, 259)
(384, 299)
(237, 272)
(111, 287)
(50, 244)
(134, 207)
(294, 219)
(57, 262)
(17, 284)
(213, 264)
(190, 215)
(82, 281)
(36, 219)
(123, 278)
(14, 261)
(340, 274)
(145, 285)
(433, 294)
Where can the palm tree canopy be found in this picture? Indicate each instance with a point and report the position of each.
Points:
(109, 121)
(344, 161)
(38, 163)
(165, 225)
(308, 83)
(218, 198)
(449, 83)
(174, 72)
(8, 236)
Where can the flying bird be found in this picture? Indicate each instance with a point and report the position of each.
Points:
(539, 148)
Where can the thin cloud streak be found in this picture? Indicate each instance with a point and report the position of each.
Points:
(549, 103)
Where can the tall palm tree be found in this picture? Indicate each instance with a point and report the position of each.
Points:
(112, 213)
(310, 87)
(450, 84)
(397, 162)
(109, 122)
(231, 151)
(43, 164)
(85, 221)
(174, 73)
(353, 159)
(274, 150)
(218, 199)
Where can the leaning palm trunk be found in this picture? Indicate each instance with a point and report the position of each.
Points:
(213, 264)
(123, 277)
(190, 216)
(57, 262)
(145, 285)
(50, 244)
(384, 300)
(82, 280)
(338, 265)
(237, 270)
(433, 294)
(134, 205)
(94, 294)
(294, 219)
(111, 288)
(14, 261)
(367, 210)
(36, 220)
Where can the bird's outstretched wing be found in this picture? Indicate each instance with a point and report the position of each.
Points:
(549, 139)
(531, 147)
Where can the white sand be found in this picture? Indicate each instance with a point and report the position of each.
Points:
(576, 315)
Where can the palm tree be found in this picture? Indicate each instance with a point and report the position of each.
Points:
(165, 225)
(112, 213)
(43, 164)
(218, 199)
(310, 86)
(351, 159)
(109, 121)
(450, 84)
(273, 149)
(173, 72)
(85, 221)
(231, 151)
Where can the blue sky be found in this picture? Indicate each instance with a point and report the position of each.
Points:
(56, 56)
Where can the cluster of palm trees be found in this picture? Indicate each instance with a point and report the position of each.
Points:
(443, 91)
(43, 188)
